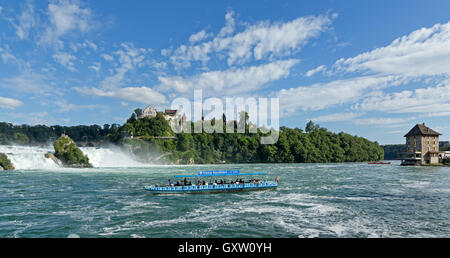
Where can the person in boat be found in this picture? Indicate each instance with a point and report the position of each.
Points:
(170, 183)
(185, 181)
(178, 184)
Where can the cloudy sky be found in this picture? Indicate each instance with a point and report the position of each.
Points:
(369, 68)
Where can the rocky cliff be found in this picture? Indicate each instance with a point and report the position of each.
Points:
(69, 154)
(5, 163)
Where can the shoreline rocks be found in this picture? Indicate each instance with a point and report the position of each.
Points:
(50, 155)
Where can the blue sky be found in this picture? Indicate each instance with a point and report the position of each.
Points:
(369, 68)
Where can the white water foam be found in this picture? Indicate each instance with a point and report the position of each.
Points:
(29, 157)
(110, 157)
(33, 157)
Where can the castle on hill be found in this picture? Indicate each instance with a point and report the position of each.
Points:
(173, 116)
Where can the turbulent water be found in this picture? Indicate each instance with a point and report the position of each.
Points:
(313, 200)
(33, 157)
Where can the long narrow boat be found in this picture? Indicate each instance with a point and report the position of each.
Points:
(379, 163)
(215, 188)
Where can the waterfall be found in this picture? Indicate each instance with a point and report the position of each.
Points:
(29, 157)
(33, 157)
(110, 157)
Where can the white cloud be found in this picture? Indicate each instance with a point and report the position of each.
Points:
(66, 16)
(64, 106)
(423, 100)
(65, 59)
(136, 94)
(10, 103)
(228, 29)
(7, 56)
(36, 118)
(96, 66)
(260, 41)
(29, 83)
(321, 96)
(438, 113)
(232, 81)
(85, 44)
(315, 70)
(199, 36)
(421, 56)
(108, 57)
(383, 121)
(129, 58)
(88, 43)
(336, 117)
(26, 21)
(424, 52)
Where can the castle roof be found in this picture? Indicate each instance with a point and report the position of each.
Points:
(421, 129)
(149, 107)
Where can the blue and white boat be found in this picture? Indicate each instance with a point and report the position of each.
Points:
(215, 185)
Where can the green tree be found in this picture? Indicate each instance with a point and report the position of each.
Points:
(138, 112)
(184, 142)
(21, 138)
(311, 127)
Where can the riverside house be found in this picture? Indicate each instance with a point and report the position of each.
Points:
(422, 146)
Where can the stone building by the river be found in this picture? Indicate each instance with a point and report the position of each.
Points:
(422, 146)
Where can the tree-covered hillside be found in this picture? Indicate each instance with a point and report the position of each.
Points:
(152, 140)
(314, 145)
(391, 151)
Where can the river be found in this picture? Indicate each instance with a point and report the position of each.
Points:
(313, 200)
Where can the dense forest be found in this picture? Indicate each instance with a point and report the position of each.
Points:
(41, 134)
(152, 139)
(445, 148)
(314, 145)
(391, 150)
